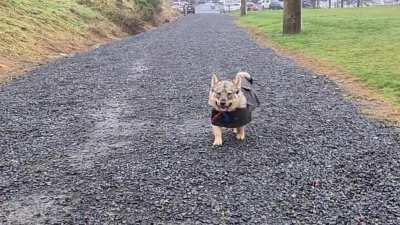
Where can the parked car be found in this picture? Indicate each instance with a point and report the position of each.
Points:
(175, 5)
(235, 6)
(180, 5)
(252, 6)
(276, 4)
(229, 7)
(189, 9)
(307, 4)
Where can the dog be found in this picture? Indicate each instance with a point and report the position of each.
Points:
(232, 102)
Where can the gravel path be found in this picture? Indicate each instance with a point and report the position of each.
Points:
(121, 135)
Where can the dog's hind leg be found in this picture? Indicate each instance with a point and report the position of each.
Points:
(240, 135)
(217, 135)
(235, 130)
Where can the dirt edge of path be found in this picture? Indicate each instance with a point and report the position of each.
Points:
(12, 68)
(372, 104)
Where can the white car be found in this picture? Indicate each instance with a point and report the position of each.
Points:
(230, 6)
(179, 5)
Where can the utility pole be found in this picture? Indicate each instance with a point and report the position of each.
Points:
(291, 16)
(242, 7)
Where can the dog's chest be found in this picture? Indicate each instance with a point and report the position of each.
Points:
(234, 119)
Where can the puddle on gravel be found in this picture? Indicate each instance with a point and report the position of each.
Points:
(32, 209)
(108, 135)
(188, 129)
(4, 182)
(137, 70)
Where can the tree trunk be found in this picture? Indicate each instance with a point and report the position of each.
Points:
(341, 3)
(292, 16)
(242, 7)
(318, 4)
(330, 3)
(358, 3)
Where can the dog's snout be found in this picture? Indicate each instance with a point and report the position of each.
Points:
(222, 102)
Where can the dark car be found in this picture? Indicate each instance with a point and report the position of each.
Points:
(189, 8)
(307, 4)
(275, 4)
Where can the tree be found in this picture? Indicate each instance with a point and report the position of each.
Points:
(242, 7)
(292, 16)
(330, 3)
(341, 3)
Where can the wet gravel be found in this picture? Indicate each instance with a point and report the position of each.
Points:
(121, 135)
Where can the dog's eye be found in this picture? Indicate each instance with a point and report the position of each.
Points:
(217, 93)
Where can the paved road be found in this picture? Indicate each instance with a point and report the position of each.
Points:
(121, 135)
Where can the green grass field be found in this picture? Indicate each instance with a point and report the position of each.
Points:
(363, 41)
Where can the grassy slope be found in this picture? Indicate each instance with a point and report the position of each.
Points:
(32, 28)
(35, 30)
(365, 42)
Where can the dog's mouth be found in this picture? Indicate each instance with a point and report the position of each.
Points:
(225, 107)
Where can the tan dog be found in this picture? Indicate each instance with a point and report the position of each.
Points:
(229, 101)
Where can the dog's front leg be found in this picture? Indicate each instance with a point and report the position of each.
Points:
(240, 134)
(217, 135)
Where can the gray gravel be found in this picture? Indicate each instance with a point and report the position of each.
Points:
(121, 135)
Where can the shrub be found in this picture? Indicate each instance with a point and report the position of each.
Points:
(149, 8)
(129, 14)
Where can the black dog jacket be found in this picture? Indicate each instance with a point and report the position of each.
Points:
(241, 116)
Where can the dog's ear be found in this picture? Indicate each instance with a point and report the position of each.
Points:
(237, 81)
(214, 80)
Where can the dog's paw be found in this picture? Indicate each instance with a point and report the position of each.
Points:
(240, 136)
(217, 142)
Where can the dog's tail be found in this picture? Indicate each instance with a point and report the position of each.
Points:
(246, 83)
(244, 75)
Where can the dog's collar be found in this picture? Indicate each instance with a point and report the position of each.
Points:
(233, 119)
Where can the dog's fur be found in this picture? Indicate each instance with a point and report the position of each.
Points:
(226, 95)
